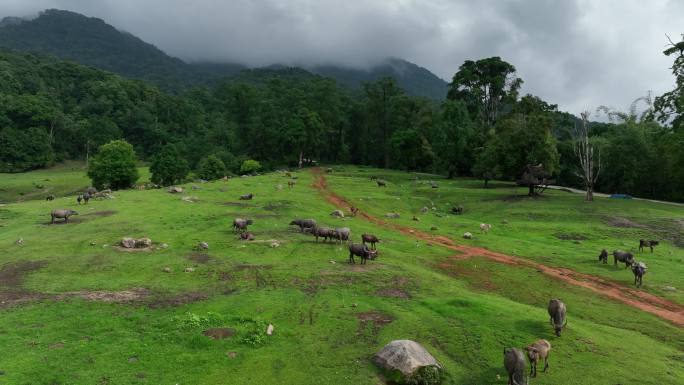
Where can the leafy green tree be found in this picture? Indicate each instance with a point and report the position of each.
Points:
(114, 166)
(249, 166)
(410, 150)
(486, 86)
(669, 107)
(22, 150)
(382, 98)
(168, 167)
(211, 168)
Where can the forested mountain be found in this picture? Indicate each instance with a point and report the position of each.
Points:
(91, 41)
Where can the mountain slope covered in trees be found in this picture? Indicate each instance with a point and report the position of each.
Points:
(91, 41)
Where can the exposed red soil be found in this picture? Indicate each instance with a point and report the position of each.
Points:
(650, 303)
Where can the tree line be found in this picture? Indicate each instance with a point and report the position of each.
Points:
(52, 110)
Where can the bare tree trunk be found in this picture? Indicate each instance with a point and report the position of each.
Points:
(585, 152)
(301, 158)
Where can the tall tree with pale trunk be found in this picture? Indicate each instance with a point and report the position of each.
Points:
(591, 168)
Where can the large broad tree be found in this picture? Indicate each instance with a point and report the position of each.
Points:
(669, 107)
(523, 141)
(486, 86)
(168, 166)
(114, 166)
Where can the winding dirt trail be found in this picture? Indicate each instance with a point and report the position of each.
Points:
(650, 303)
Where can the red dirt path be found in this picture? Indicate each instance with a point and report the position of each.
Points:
(650, 303)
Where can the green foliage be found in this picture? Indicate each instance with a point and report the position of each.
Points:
(211, 168)
(114, 166)
(24, 149)
(250, 166)
(426, 375)
(191, 321)
(168, 167)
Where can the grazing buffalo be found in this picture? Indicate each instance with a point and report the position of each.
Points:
(304, 224)
(240, 224)
(62, 213)
(485, 227)
(322, 232)
(650, 244)
(458, 210)
(557, 312)
(362, 251)
(86, 197)
(50, 197)
(246, 197)
(536, 352)
(370, 238)
(639, 269)
(342, 234)
(290, 183)
(603, 257)
(354, 211)
(246, 236)
(514, 362)
(381, 183)
(623, 256)
(79, 199)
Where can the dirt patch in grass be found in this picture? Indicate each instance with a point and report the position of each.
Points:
(623, 222)
(238, 204)
(393, 293)
(199, 257)
(571, 236)
(123, 296)
(372, 321)
(12, 277)
(176, 300)
(277, 205)
(219, 333)
(100, 214)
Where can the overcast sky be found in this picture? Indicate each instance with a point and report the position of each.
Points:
(577, 53)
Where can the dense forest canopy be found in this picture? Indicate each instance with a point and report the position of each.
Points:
(51, 110)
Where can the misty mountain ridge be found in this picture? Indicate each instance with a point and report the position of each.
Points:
(91, 41)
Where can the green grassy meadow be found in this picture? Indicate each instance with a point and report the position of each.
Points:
(78, 310)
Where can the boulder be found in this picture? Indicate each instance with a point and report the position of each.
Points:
(403, 358)
(392, 215)
(337, 213)
(203, 246)
(424, 209)
(175, 189)
(190, 199)
(189, 269)
(128, 243)
(467, 235)
(143, 243)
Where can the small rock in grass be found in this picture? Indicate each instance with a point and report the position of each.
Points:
(337, 213)
(669, 288)
(128, 243)
(203, 246)
(275, 244)
(269, 329)
(424, 209)
(93, 243)
(189, 269)
(19, 241)
(175, 189)
(332, 262)
(433, 228)
(467, 235)
(133, 359)
(163, 246)
(166, 270)
(231, 354)
(143, 243)
(355, 305)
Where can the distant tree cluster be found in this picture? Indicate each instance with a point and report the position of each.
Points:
(52, 110)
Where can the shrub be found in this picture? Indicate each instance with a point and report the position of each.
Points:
(211, 168)
(113, 166)
(249, 166)
(168, 167)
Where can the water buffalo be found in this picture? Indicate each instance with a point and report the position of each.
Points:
(79, 199)
(623, 256)
(370, 238)
(50, 197)
(644, 243)
(240, 224)
(639, 269)
(458, 210)
(514, 362)
(536, 352)
(322, 232)
(86, 197)
(362, 251)
(246, 236)
(381, 183)
(603, 256)
(354, 211)
(557, 312)
(342, 234)
(304, 224)
(290, 183)
(62, 213)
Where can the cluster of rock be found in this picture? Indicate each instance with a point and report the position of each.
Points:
(132, 243)
(403, 360)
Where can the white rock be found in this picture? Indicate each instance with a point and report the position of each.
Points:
(269, 329)
(467, 235)
(405, 356)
